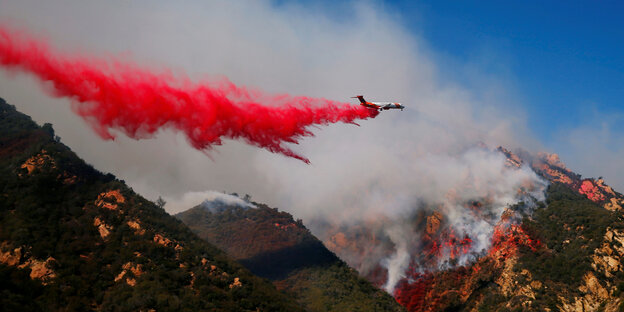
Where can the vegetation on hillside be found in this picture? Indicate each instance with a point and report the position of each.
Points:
(571, 227)
(73, 239)
(273, 245)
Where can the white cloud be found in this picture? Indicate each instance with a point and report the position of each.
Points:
(595, 148)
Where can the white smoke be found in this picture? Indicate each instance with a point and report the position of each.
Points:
(442, 182)
(398, 263)
(206, 199)
(389, 167)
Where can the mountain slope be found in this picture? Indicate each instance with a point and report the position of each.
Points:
(560, 251)
(72, 238)
(566, 255)
(273, 245)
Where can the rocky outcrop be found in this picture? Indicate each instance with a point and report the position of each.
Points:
(614, 204)
(607, 262)
(512, 160)
(41, 269)
(161, 240)
(236, 283)
(598, 191)
(43, 159)
(433, 223)
(552, 160)
(594, 295)
(136, 226)
(607, 258)
(11, 257)
(20, 257)
(38, 161)
(110, 200)
(103, 228)
(129, 267)
(591, 190)
(553, 169)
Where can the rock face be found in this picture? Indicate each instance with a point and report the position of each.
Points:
(512, 159)
(554, 170)
(37, 162)
(551, 167)
(21, 258)
(102, 227)
(110, 200)
(236, 283)
(136, 226)
(136, 271)
(433, 223)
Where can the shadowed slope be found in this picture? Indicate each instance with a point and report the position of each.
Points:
(273, 245)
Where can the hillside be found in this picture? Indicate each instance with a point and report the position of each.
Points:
(574, 260)
(73, 239)
(564, 254)
(273, 245)
(566, 257)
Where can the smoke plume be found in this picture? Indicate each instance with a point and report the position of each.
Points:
(117, 95)
(211, 200)
(376, 185)
(454, 204)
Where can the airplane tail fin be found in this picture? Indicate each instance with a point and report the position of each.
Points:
(359, 97)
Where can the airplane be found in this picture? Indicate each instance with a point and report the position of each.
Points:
(378, 105)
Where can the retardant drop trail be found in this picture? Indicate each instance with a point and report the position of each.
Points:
(116, 95)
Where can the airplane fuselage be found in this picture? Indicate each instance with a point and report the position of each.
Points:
(384, 105)
(379, 105)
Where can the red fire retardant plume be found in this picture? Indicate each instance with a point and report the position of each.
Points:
(116, 95)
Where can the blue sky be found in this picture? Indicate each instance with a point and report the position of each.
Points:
(566, 60)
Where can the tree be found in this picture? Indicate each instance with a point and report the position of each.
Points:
(160, 202)
(47, 127)
(247, 198)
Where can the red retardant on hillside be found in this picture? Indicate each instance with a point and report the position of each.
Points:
(116, 95)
